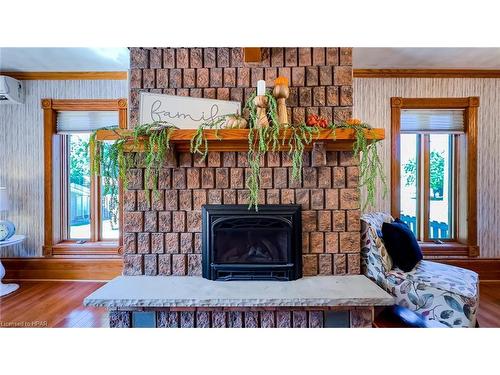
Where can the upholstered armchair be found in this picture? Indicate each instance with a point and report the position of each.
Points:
(438, 292)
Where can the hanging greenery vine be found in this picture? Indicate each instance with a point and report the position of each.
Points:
(259, 139)
(199, 142)
(370, 166)
(111, 161)
(108, 161)
(262, 139)
(301, 135)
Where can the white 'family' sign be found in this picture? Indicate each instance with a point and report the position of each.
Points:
(182, 111)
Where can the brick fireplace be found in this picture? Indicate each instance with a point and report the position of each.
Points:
(162, 231)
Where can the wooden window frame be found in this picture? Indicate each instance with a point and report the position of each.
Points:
(470, 107)
(54, 177)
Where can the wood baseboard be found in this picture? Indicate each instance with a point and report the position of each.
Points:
(487, 268)
(99, 269)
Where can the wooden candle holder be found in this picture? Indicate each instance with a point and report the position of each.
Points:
(281, 93)
(261, 103)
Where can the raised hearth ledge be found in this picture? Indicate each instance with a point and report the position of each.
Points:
(192, 291)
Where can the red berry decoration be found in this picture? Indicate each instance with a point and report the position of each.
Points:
(312, 120)
(315, 120)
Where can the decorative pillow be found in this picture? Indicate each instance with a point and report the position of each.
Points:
(384, 255)
(398, 220)
(401, 245)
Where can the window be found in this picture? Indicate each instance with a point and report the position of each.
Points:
(78, 187)
(433, 172)
(82, 210)
(428, 165)
(87, 219)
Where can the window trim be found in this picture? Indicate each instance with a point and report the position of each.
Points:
(425, 202)
(54, 242)
(470, 106)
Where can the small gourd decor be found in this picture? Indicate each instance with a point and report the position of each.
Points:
(354, 122)
(234, 122)
(281, 93)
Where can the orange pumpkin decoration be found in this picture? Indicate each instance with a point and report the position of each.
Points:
(281, 81)
(354, 121)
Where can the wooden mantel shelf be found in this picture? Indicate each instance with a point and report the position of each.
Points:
(237, 139)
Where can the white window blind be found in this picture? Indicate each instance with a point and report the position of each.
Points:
(85, 121)
(432, 121)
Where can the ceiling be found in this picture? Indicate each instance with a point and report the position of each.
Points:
(117, 59)
(426, 58)
(64, 59)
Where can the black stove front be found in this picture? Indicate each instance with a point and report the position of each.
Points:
(242, 244)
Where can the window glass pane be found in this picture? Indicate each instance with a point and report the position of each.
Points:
(79, 186)
(109, 198)
(409, 179)
(441, 182)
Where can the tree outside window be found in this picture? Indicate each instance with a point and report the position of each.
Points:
(436, 174)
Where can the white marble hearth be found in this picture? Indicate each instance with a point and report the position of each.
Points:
(189, 291)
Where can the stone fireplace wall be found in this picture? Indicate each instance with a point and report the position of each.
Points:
(162, 231)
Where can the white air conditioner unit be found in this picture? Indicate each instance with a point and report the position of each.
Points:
(11, 91)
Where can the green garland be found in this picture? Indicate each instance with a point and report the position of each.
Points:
(264, 139)
(301, 136)
(370, 166)
(199, 143)
(259, 141)
(108, 163)
(155, 138)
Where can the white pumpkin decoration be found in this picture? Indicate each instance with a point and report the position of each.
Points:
(235, 122)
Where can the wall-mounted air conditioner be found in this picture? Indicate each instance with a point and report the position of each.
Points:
(11, 91)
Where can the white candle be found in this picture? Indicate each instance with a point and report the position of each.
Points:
(261, 87)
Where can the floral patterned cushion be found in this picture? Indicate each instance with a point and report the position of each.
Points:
(441, 276)
(438, 292)
(375, 258)
(384, 254)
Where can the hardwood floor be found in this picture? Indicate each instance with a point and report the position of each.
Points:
(59, 304)
(489, 304)
(51, 304)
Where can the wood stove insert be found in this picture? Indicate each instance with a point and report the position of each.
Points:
(243, 244)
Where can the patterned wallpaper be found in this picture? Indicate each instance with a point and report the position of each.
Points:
(372, 104)
(21, 153)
